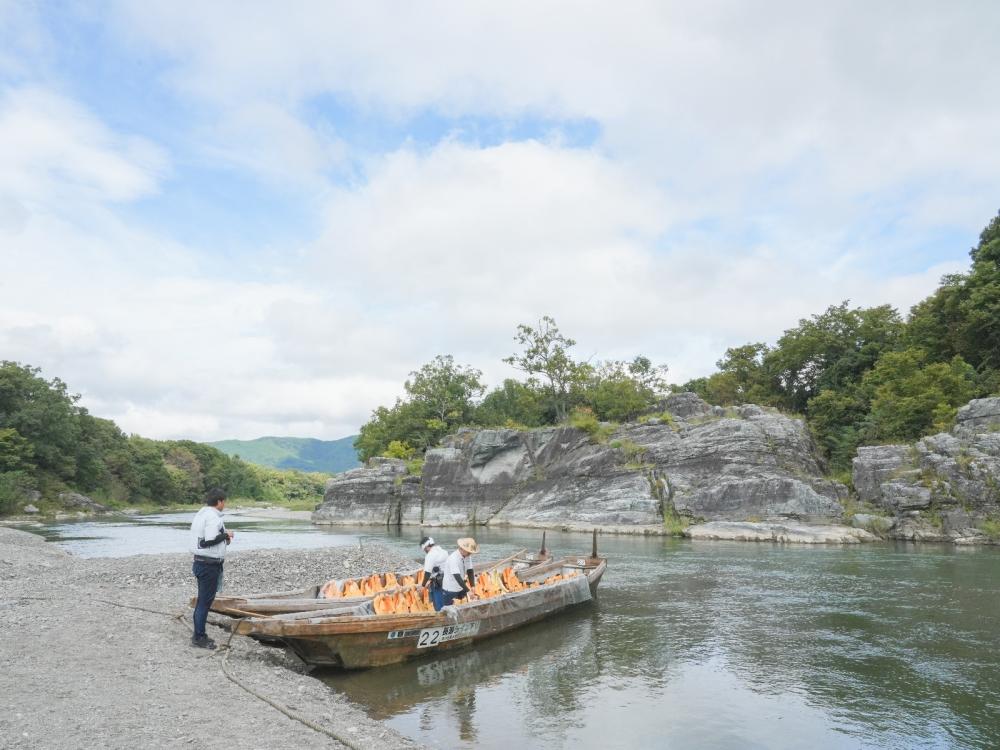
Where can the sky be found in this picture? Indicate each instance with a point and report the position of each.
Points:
(237, 218)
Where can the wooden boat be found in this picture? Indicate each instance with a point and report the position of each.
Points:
(311, 599)
(357, 637)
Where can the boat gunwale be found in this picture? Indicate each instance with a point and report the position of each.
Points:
(346, 625)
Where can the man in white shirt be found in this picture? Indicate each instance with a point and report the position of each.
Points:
(434, 560)
(458, 576)
(209, 540)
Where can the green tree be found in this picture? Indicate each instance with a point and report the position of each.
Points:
(43, 413)
(837, 420)
(517, 403)
(185, 470)
(101, 450)
(830, 351)
(719, 388)
(546, 354)
(911, 397)
(446, 391)
(962, 317)
(409, 422)
(619, 391)
(398, 449)
(150, 479)
(745, 379)
(16, 453)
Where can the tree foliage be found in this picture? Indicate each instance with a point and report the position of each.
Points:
(618, 391)
(515, 403)
(546, 354)
(963, 316)
(49, 442)
(865, 375)
(441, 395)
(911, 396)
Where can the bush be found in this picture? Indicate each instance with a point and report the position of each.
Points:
(582, 418)
(633, 452)
(14, 486)
(399, 449)
(991, 527)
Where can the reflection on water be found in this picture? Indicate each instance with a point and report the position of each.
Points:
(726, 646)
(713, 644)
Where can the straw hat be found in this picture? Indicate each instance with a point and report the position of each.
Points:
(468, 544)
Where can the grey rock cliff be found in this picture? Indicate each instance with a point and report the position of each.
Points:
(943, 487)
(704, 463)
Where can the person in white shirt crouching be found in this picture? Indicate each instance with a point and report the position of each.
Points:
(434, 560)
(458, 576)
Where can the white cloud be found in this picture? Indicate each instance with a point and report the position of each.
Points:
(856, 96)
(745, 163)
(54, 153)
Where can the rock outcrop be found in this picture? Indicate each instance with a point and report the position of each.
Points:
(792, 533)
(696, 461)
(945, 486)
(81, 503)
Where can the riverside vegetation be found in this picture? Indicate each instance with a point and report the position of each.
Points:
(52, 449)
(856, 415)
(858, 376)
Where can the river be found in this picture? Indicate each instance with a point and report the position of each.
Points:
(689, 645)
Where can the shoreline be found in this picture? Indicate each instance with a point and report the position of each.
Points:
(77, 635)
(787, 531)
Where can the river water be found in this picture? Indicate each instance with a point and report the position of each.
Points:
(689, 645)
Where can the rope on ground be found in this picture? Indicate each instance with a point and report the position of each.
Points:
(225, 670)
(175, 615)
(290, 714)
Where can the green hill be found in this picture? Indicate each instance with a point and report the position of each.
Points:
(304, 454)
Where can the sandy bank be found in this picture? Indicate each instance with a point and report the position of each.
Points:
(283, 514)
(95, 653)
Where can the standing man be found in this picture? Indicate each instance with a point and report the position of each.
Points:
(434, 560)
(209, 540)
(458, 576)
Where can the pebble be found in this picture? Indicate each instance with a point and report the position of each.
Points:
(98, 662)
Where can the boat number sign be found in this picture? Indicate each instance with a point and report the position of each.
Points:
(433, 636)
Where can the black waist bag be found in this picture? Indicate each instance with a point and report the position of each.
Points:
(437, 578)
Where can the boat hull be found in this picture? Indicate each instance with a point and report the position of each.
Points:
(362, 641)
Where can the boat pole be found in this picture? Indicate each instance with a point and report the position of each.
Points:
(593, 552)
(543, 552)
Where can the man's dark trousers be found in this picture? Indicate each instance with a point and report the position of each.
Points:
(208, 584)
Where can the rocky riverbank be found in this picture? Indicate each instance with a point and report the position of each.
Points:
(95, 653)
(692, 461)
(742, 472)
(944, 488)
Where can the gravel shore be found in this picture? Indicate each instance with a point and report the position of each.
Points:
(95, 653)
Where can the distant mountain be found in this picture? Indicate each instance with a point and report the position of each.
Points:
(305, 454)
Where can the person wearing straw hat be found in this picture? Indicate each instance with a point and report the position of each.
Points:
(458, 576)
(434, 560)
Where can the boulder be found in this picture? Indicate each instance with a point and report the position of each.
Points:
(870, 522)
(978, 416)
(913, 527)
(875, 465)
(686, 406)
(82, 502)
(30, 509)
(954, 477)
